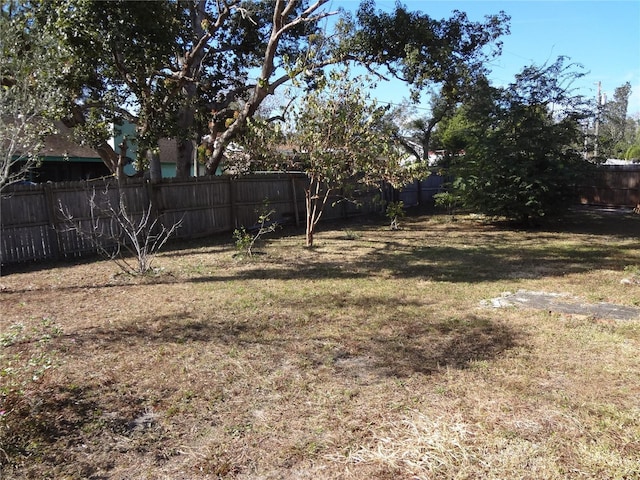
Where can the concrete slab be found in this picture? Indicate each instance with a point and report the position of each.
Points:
(561, 303)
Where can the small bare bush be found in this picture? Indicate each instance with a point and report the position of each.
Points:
(118, 234)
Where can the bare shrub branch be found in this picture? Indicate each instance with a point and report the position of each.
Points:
(118, 234)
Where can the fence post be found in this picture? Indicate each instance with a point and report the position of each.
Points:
(152, 198)
(54, 238)
(294, 199)
(232, 200)
(171, 198)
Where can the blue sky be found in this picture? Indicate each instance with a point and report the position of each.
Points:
(602, 36)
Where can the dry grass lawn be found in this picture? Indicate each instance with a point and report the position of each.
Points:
(371, 356)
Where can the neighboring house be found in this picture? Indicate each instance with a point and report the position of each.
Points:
(168, 151)
(65, 160)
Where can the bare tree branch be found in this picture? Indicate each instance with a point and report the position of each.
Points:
(115, 230)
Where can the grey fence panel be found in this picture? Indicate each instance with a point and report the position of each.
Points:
(25, 222)
(21, 244)
(34, 221)
(410, 194)
(254, 197)
(612, 185)
(35, 225)
(198, 223)
(201, 205)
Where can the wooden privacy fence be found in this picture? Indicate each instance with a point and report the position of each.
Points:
(613, 185)
(33, 224)
(33, 227)
(421, 192)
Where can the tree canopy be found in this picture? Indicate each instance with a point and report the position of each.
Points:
(29, 97)
(521, 144)
(342, 140)
(201, 69)
(617, 132)
(420, 50)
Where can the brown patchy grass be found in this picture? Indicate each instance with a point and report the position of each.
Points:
(369, 356)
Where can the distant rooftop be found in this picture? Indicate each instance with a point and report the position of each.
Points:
(62, 145)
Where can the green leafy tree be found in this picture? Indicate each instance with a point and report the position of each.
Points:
(423, 127)
(420, 134)
(633, 153)
(121, 54)
(440, 58)
(422, 51)
(633, 149)
(343, 142)
(456, 130)
(413, 130)
(522, 146)
(262, 144)
(448, 52)
(188, 69)
(617, 132)
(179, 69)
(29, 97)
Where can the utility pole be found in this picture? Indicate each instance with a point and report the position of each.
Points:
(597, 126)
(585, 132)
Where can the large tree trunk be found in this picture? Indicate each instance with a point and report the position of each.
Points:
(122, 158)
(155, 168)
(108, 156)
(187, 126)
(263, 87)
(221, 143)
(106, 152)
(191, 67)
(185, 158)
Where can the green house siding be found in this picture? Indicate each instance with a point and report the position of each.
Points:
(128, 131)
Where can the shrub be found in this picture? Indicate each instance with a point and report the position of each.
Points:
(448, 201)
(395, 211)
(114, 230)
(245, 241)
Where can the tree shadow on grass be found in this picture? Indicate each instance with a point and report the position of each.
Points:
(52, 422)
(429, 348)
(109, 413)
(535, 254)
(471, 263)
(597, 220)
(445, 263)
(491, 263)
(393, 346)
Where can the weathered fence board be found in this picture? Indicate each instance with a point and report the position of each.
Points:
(34, 223)
(421, 192)
(34, 220)
(613, 185)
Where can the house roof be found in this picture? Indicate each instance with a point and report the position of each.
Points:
(168, 150)
(62, 144)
